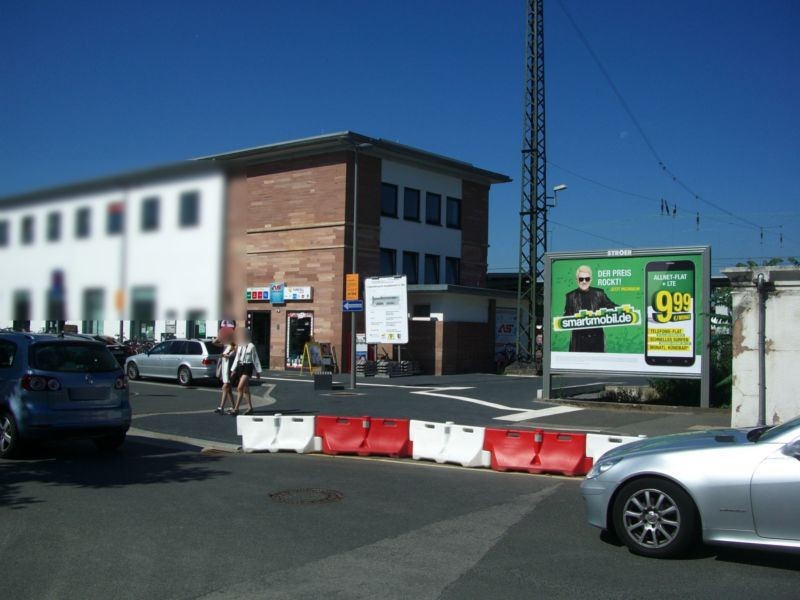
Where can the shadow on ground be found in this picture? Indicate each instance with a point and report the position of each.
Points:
(79, 464)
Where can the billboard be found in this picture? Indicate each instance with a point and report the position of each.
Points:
(386, 308)
(628, 311)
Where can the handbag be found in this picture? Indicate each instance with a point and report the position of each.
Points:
(236, 373)
(219, 368)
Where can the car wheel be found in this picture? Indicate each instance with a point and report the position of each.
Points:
(133, 371)
(10, 443)
(654, 517)
(109, 443)
(184, 376)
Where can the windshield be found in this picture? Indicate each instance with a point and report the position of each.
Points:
(778, 430)
(72, 357)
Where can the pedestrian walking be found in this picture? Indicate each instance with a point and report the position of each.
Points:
(245, 365)
(224, 367)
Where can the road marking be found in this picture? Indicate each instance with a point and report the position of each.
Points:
(526, 415)
(438, 394)
(183, 439)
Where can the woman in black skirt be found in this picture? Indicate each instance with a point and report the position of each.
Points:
(245, 365)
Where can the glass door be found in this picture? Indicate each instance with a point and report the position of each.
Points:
(299, 330)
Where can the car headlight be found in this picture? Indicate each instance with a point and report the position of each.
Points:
(601, 467)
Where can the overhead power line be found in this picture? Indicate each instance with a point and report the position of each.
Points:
(638, 125)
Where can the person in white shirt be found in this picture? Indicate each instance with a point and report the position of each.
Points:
(244, 366)
(224, 373)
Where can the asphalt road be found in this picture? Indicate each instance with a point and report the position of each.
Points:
(162, 520)
(478, 400)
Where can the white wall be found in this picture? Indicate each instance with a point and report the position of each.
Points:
(782, 343)
(450, 307)
(401, 235)
(183, 264)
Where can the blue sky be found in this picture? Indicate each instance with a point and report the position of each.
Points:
(91, 88)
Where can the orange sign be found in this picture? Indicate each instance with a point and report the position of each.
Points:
(351, 286)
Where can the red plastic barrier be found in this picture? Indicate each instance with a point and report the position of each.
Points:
(512, 449)
(388, 437)
(562, 452)
(342, 435)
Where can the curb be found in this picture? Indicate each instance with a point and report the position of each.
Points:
(664, 408)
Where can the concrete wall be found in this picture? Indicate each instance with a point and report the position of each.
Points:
(782, 344)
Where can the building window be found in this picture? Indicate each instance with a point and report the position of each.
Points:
(26, 234)
(433, 209)
(53, 227)
(115, 218)
(4, 233)
(411, 267)
(21, 306)
(421, 311)
(410, 204)
(431, 268)
(454, 213)
(389, 200)
(453, 270)
(150, 210)
(190, 209)
(388, 261)
(83, 223)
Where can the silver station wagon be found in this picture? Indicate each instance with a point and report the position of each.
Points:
(184, 360)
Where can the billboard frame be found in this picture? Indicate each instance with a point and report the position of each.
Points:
(704, 252)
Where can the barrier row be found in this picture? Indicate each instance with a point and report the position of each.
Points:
(532, 451)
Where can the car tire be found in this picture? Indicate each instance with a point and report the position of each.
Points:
(655, 517)
(109, 443)
(10, 442)
(184, 376)
(132, 370)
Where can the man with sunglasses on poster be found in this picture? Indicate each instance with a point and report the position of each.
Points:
(587, 298)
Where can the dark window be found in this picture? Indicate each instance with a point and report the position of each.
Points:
(83, 223)
(93, 302)
(411, 267)
(72, 357)
(8, 350)
(160, 348)
(194, 348)
(22, 305)
(433, 209)
(150, 214)
(53, 227)
(115, 218)
(388, 261)
(27, 230)
(4, 233)
(410, 204)
(190, 209)
(421, 311)
(143, 303)
(453, 270)
(431, 268)
(389, 200)
(176, 348)
(454, 213)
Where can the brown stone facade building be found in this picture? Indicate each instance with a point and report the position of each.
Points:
(289, 222)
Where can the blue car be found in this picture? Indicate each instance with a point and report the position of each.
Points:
(55, 386)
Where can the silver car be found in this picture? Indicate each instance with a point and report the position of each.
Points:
(660, 495)
(184, 360)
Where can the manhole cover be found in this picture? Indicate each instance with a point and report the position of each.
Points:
(306, 496)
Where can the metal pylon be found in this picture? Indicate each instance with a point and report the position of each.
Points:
(533, 205)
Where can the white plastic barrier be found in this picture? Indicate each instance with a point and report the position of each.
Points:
(278, 432)
(446, 442)
(597, 444)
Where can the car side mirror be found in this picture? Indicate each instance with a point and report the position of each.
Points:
(792, 449)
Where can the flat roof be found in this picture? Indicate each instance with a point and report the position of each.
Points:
(349, 140)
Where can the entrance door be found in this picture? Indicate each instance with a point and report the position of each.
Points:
(299, 330)
(260, 331)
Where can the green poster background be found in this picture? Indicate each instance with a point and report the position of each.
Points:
(610, 274)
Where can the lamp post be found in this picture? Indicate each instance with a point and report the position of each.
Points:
(559, 188)
(353, 266)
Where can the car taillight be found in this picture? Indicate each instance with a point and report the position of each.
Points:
(209, 361)
(121, 383)
(37, 383)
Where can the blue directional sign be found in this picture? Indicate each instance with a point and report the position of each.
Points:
(352, 305)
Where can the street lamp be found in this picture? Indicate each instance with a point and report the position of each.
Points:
(559, 188)
(353, 267)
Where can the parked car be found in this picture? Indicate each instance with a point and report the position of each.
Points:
(728, 486)
(118, 351)
(184, 360)
(60, 386)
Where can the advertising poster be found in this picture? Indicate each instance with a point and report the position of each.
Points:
(386, 309)
(636, 313)
(505, 331)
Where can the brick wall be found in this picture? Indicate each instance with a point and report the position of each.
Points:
(474, 233)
